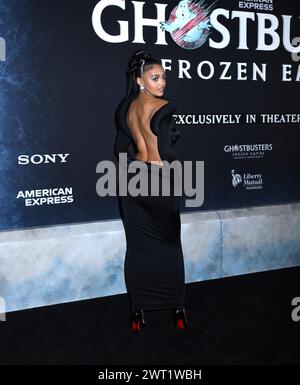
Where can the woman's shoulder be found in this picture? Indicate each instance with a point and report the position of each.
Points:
(161, 104)
(150, 107)
(147, 108)
(160, 101)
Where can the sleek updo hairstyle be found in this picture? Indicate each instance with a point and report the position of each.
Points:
(139, 59)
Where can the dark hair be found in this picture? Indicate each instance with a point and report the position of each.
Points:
(134, 70)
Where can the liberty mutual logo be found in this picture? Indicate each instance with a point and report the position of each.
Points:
(247, 180)
(236, 178)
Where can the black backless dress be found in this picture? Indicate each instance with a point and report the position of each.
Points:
(154, 264)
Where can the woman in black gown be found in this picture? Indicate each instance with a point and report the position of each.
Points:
(146, 132)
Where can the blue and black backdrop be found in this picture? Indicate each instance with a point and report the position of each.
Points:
(233, 67)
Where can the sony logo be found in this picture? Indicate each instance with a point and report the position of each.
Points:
(44, 158)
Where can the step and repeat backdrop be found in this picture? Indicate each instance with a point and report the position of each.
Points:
(233, 67)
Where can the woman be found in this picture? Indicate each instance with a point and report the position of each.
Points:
(154, 265)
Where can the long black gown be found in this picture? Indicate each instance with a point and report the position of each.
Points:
(154, 264)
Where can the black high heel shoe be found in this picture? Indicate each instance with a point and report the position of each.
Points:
(180, 317)
(137, 320)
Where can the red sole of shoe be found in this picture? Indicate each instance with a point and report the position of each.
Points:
(180, 324)
(136, 326)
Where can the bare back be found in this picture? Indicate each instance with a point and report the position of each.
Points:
(138, 121)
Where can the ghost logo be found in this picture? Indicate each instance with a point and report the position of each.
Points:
(295, 55)
(2, 49)
(236, 178)
(2, 309)
(189, 24)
